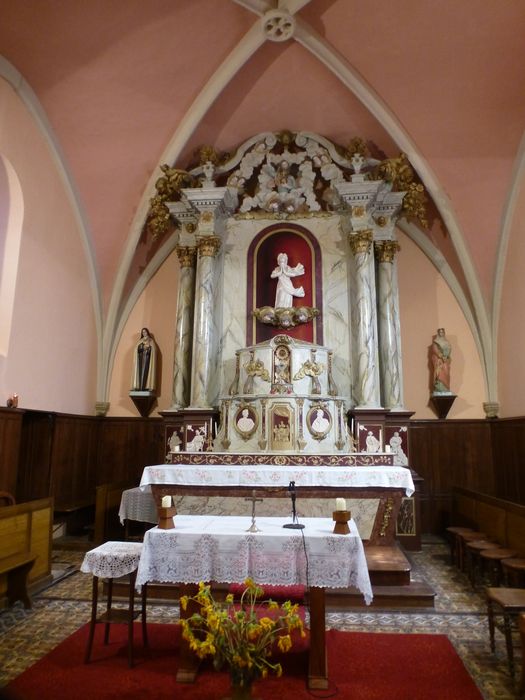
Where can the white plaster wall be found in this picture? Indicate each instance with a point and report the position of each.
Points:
(51, 357)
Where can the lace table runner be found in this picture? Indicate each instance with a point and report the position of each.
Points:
(219, 548)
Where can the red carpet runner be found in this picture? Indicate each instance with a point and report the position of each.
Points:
(362, 666)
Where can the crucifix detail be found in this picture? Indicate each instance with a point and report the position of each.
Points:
(253, 527)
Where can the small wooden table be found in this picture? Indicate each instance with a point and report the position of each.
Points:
(220, 549)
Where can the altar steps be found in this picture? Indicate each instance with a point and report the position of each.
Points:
(392, 586)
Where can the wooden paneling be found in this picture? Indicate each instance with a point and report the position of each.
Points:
(508, 447)
(126, 446)
(447, 454)
(10, 438)
(74, 461)
(34, 470)
(68, 456)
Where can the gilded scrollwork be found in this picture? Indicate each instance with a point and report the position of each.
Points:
(254, 368)
(168, 190)
(311, 368)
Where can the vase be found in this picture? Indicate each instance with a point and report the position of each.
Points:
(241, 692)
(240, 689)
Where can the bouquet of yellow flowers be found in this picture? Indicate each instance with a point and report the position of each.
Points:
(240, 636)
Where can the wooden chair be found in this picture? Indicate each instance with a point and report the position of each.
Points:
(507, 603)
(7, 499)
(513, 572)
(453, 533)
(491, 561)
(462, 539)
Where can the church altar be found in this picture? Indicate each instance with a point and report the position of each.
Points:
(386, 484)
(219, 548)
(277, 477)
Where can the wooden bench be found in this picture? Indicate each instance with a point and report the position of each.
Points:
(25, 549)
(502, 521)
(17, 568)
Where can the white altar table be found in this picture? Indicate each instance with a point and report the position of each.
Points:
(219, 548)
(387, 484)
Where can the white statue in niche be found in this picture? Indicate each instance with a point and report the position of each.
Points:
(396, 443)
(285, 289)
(372, 443)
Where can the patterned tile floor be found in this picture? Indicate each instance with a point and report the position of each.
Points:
(459, 612)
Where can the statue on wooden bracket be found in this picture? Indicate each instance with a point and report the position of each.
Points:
(143, 391)
(440, 357)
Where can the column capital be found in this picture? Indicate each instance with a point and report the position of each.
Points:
(208, 246)
(186, 255)
(386, 250)
(360, 242)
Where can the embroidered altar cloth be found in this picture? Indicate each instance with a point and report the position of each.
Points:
(275, 476)
(220, 549)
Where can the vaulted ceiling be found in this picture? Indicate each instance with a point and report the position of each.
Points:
(126, 85)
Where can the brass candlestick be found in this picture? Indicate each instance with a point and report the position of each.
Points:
(341, 518)
(166, 516)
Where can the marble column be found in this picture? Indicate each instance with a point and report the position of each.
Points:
(390, 366)
(364, 323)
(184, 327)
(203, 340)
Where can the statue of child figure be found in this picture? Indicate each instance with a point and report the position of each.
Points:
(440, 354)
(285, 289)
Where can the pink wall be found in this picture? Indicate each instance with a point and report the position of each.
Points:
(155, 309)
(511, 331)
(426, 304)
(51, 357)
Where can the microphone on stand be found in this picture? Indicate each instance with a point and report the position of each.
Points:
(294, 525)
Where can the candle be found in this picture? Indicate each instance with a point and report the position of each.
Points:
(388, 448)
(340, 504)
(166, 501)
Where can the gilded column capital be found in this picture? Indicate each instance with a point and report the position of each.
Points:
(386, 251)
(208, 246)
(360, 242)
(186, 255)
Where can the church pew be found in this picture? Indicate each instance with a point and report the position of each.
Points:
(25, 546)
(501, 520)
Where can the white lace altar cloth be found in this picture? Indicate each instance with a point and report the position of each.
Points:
(112, 559)
(136, 504)
(219, 548)
(269, 475)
